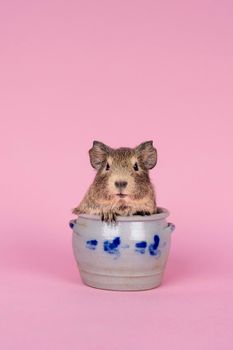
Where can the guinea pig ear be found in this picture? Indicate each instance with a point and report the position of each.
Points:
(98, 154)
(147, 154)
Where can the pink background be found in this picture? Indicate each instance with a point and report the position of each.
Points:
(121, 72)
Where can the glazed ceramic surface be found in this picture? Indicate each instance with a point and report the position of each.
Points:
(128, 255)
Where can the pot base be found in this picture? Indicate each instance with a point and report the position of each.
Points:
(121, 283)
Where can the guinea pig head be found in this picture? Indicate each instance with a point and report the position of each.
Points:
(122, 173)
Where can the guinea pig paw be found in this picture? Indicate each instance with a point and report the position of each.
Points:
(108, 216)
(142, 212)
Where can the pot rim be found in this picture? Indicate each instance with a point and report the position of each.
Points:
(161, 214)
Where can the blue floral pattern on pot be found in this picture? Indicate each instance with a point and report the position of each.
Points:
(113, 246)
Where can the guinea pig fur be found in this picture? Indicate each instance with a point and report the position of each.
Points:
(122, 184)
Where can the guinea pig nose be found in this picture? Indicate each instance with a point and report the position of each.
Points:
(121, 184)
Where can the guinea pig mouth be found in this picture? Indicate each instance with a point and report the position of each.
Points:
(121, 195)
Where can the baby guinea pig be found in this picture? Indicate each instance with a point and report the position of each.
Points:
(122, 184)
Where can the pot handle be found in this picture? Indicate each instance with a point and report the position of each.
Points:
(170, 227)
(72, 223)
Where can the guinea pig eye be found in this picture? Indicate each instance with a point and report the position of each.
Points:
(136, 167)
(107, 167)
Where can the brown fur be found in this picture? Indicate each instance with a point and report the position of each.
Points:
(112, 165)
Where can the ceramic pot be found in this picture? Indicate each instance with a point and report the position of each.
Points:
(129, 255)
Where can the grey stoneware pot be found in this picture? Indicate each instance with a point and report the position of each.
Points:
(129, 255)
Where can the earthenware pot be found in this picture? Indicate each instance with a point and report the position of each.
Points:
(129, 255)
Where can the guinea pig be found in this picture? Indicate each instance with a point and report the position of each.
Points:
(122, 184)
